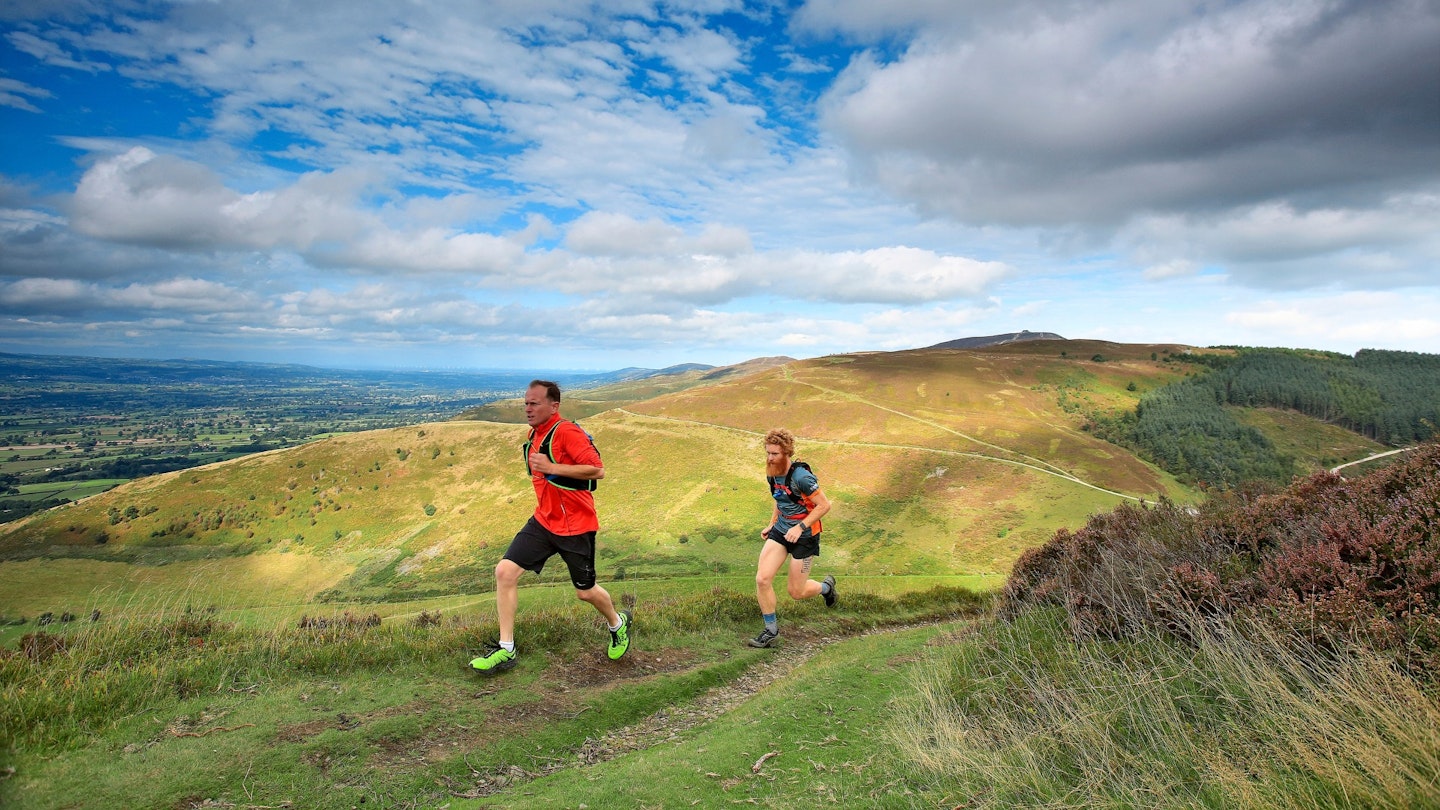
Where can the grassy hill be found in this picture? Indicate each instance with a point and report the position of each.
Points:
(198, 688)
(939, 462)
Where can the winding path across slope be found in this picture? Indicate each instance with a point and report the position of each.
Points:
(1037, 466)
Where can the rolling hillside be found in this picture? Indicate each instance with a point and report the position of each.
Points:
(939, 462)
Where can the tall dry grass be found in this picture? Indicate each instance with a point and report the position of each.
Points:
(1026, 715)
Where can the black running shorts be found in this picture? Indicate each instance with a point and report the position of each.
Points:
(806, 547)
(535, 544)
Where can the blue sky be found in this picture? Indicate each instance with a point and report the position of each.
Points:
(545, 184)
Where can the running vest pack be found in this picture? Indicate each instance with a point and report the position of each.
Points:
(797, 498)
(560, 481)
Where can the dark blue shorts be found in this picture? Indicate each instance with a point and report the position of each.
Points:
(535, 544)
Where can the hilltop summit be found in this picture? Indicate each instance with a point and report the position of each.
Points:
(992, 340)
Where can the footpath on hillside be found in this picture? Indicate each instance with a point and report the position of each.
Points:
(670, 723)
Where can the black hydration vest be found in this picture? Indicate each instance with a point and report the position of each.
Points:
(563, 482)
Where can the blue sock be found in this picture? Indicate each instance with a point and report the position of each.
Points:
(824, 588)
(771, 622)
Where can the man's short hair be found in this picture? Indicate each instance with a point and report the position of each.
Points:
(552, 390)
(782, 438)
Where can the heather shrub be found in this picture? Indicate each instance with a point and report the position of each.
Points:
(1336, 560)
(1362, 563)
(1123, 570)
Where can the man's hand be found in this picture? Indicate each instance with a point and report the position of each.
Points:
(794, 533)
(540, 463)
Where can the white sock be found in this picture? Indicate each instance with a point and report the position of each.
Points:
(507, 646)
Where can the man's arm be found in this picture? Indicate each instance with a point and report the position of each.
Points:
(822, 507)
(582, 460)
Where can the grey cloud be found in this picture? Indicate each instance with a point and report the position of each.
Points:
(1393, 244)
(152, 199)
(1097, 114)
(46, 296)
(172, 298)
(162, 201)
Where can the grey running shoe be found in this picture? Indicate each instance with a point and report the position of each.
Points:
(829, 595)
(764, 639)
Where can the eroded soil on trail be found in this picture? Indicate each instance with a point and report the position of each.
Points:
(566, 687)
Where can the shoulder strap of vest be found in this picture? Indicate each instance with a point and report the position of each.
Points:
(789, 474)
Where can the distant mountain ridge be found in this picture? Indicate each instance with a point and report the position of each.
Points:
(618, 388)
(705, 372)
(635, 373)
(995, 340)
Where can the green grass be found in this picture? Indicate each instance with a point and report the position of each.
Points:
(351, 508)
(816, 737)
(197, 686)
(910, 697)
(1313, 444)
(188, 708)
(76, 489)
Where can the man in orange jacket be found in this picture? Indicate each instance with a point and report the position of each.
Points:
(564, 467)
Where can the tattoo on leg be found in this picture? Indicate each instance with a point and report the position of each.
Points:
(805, 565)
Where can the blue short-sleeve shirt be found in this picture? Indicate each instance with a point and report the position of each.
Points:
(803, 482)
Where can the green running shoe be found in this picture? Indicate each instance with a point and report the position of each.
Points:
(620, 639)
(494, 662)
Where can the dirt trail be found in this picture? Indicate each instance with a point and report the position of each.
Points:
(673, 721)
(1337, 470)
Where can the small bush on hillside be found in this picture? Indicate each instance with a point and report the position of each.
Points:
(345, 621)
(41, 646)
(1336, 561)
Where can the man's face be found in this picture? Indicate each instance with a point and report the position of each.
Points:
(775, 457)
(539, 407)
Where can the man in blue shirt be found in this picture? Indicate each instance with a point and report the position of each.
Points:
(794, 532)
